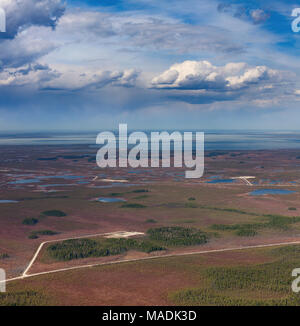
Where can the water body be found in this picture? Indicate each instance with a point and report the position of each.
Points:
(214, 177)
(65, 177)
(111, 200)
(8, 201)
(57, 185)
(259, 192)
(24, 181)
(45, 177)
(214, 139)
(221, 181)
(117, 184)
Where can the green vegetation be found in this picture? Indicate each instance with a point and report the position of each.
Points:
(273, 222)
(229, 210)
(288, 252)
(183, 221)
(192, 198)
(141, 197)
(30, 221)
(157, 240)
(151, 220)
(23, 298)
(211, 297)
(271, 276)
(133, 205)
(4, 256)
(115, 194)
(246, 232)
(138, 191)
(232, 285)
(83, 248)
(35, 234)
(292, 208)
(54, 212)
(32, 236)
(280, 222)
(190, 205)
(178, 236)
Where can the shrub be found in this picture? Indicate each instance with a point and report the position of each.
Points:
(46, 232)
(274, 222)
(83, 248)
(246, 233)
(30, 221)
(32, 236)
(178, 236)
(292, 208)
(192, 198)
(225, 227)
(133, 205)
(190, 205)
(23, 298)
(35, 234)
(54, 212)
(141, 197)
(150, 220)
(4, 256)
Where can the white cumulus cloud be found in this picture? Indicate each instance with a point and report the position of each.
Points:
(202, 75)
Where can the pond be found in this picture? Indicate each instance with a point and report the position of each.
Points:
(65, 177)
(4, 201)
(117, 184)
(24, 181)
(214, 177)
(259, 192)
(42, 177)
(57, 185)
(220, 181)
(111, 200)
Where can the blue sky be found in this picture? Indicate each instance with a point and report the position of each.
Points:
(90, 65)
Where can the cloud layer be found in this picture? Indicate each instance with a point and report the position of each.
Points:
(198, 55)
(25, 13)
(203, 75)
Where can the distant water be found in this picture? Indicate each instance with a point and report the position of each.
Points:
(24, 181)
(221, 181)
(8, 201)
(57, 185)
(260, 192)
(214, 139)
(40, 178)
(110, 200)
(117, 184)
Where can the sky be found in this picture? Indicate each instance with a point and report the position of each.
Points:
(193, 64)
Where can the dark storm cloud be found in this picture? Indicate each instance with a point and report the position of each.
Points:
(27, 24)
(256, 15)
(26, 13)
